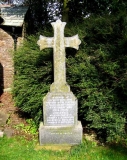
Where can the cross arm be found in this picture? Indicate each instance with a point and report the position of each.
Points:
(45, 42)
(72, 42)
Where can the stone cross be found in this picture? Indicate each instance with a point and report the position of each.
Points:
(58, 43)
(60, 123)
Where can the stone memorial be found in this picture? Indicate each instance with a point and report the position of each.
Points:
(60, 124)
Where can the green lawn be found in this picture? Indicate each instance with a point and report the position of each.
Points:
(21, 149)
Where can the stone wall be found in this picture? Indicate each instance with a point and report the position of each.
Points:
(6, 60)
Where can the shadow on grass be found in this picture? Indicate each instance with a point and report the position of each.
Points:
(119, 148)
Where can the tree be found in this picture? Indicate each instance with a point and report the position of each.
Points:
(65, 11)
(97, 73)
(38, 15)
(78, 10)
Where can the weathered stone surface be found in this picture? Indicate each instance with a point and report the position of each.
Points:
(59, 105)
(3, 118)
(58, 43)
(60, 135)
(60, 109)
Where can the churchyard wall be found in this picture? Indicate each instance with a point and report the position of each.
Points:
(6, 60)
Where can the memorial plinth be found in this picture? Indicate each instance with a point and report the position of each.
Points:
(60, 124)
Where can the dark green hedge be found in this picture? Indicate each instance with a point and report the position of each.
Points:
(97, 74)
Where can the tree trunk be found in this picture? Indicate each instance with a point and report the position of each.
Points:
(65, 11)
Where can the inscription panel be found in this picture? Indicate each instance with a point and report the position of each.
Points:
(60, 110)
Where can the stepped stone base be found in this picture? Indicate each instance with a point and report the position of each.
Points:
(60, 135)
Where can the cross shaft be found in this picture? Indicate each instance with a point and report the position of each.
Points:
(58, 43)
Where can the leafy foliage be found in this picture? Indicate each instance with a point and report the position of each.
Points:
(30, 128)
(42, 12)
(83, 8)
(96, 73)
(30, 73)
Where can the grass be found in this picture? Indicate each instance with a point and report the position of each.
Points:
(20, 149)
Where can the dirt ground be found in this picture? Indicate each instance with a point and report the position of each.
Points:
(6, 80)
(15, 116)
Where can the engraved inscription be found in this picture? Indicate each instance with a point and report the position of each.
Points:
(60, 111)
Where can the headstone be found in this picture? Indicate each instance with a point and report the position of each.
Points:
(60, 124)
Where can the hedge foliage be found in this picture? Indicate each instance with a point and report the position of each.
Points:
(97, 74)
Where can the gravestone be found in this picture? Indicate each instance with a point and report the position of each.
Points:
(60, 124)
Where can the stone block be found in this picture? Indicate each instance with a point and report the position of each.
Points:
(60, 109)
(59, 105)
(60, 135)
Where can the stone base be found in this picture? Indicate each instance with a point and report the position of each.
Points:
(60, 135)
